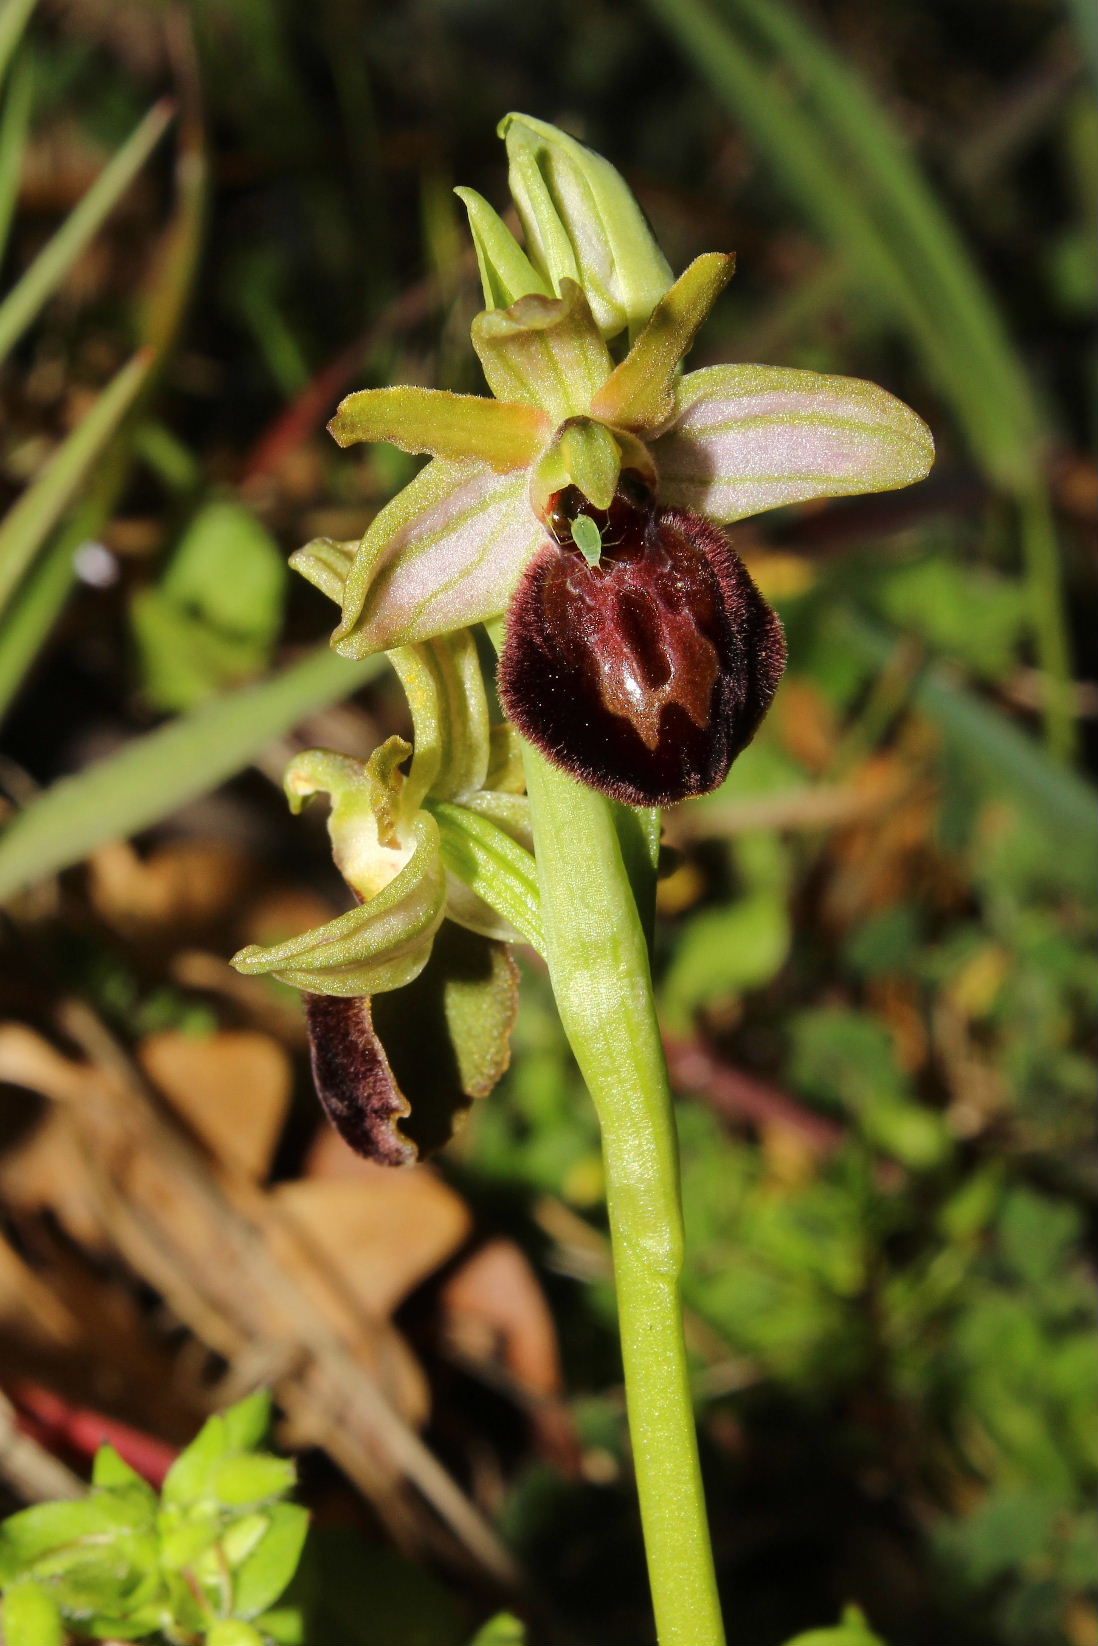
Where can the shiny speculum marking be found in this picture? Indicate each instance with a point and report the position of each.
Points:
(646, 671)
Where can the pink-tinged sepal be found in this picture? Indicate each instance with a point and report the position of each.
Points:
(641, 658)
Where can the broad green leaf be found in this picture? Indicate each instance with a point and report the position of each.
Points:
(31, 1616)
(252, 1478)
(724, 951)
(260, 1579)
(749, 438)
(29, 521)
(188, 1479)
(57, 257)
(35, 1533)
(153, 775)
(215, 614)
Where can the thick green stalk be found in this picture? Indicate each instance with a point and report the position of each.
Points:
(598, 962)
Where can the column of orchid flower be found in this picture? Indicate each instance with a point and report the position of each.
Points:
(583, 506)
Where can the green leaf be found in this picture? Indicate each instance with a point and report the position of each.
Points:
(110, 1470)
(190, 1475)
(722, 952)
(31, 1617)
(45, 1528)
(14, 120)
(216, 613)
(57, 257)
(231, 1631)
(501, 1630)
(153, 775)
(239, 1481)
(13, 20)
(29, 521)
(247, 1422)
(260, 1579)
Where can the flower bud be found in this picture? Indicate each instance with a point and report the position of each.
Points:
(582, 223)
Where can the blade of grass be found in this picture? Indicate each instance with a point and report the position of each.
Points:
(1007, 759)
(29, 521)
(14, 120)
(155, 774)
(14, 16)
(53, 262)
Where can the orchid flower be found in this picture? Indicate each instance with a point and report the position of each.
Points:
(586, 502)
(584, 505)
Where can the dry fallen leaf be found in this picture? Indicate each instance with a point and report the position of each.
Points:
(232, 1088)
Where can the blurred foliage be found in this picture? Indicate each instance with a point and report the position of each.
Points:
(875, 945)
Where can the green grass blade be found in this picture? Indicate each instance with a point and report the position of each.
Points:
(56, 258)
(1006, 758)
(14, 120)
(155, 774)
(14, 17)
(30, 520)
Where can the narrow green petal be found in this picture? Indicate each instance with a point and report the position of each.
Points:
(545, 352)
(444, 424)
(445, 553)
(444, 686)
(380, 945)
(749, 438)
(640, 392)
(325, 564)
(506, 273)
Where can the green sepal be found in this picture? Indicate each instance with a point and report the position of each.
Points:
(639, 394)
(460, 426)
(545, 352)
(496, 871)
(325, 564)
(582, 223)
(506, 273)
(380, 945)
(443, 683)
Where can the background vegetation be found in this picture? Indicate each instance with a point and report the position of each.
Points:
(875, 945)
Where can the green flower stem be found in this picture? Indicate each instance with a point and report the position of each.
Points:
(598, 962)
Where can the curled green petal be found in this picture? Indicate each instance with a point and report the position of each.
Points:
(444, 686)
(370, 819)
(445, 425)
(494, 866)
(506, 273)
(640, 392)
(381, 945)
(325, 564)
(586, 454)
(582, 223)
(545, 352)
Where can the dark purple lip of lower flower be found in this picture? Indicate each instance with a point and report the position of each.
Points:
(645, 674)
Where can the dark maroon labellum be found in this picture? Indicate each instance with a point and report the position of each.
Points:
(647, 673)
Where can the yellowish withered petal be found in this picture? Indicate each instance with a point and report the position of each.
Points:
(640, 392)
(325, 563)
(382, 944)
(446, 552)
(370, 819)
(446, 425)
(749, 438)
(545, 352)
